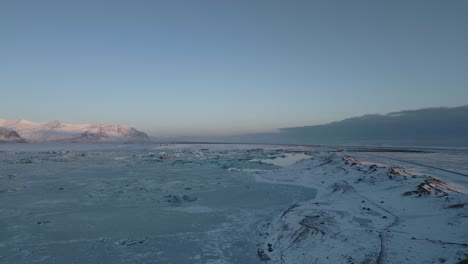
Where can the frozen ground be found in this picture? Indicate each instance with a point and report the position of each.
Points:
(130, 203)
(369, 209)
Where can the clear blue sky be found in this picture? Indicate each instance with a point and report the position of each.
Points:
(227, 67)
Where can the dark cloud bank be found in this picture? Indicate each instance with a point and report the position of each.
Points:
(425, 127)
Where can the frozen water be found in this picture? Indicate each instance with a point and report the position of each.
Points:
(286, 159)
(124, 203)
(151, 203)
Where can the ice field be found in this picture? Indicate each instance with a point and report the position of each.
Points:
(152, 203)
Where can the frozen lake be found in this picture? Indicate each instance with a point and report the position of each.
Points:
(124, 204)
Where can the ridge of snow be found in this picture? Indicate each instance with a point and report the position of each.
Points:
(366, 212)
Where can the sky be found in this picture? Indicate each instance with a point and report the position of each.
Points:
(228, 67)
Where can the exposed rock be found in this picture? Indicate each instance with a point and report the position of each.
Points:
(399, 171)
(8, 135)
(432, 186)
(55, 124)
(351, 160)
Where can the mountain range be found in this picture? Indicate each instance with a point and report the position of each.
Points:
(438, 126)
(442, 126)
(56, 131)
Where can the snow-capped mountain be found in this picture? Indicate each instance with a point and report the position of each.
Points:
(56, 131)
(10, 136)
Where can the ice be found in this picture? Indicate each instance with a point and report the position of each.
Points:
(104, 204)
(286, 159)
(214, 203)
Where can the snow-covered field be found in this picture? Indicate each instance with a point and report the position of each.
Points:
(151, 203)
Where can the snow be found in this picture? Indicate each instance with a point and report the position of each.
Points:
(366, 214)
(58, 131)
(215, 203)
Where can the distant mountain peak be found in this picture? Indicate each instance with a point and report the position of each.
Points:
(23, 121)
(55, 124)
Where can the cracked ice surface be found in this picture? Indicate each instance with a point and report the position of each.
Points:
(135, 203)
(130, 203)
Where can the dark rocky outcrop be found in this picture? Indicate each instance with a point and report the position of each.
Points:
(7, 135)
